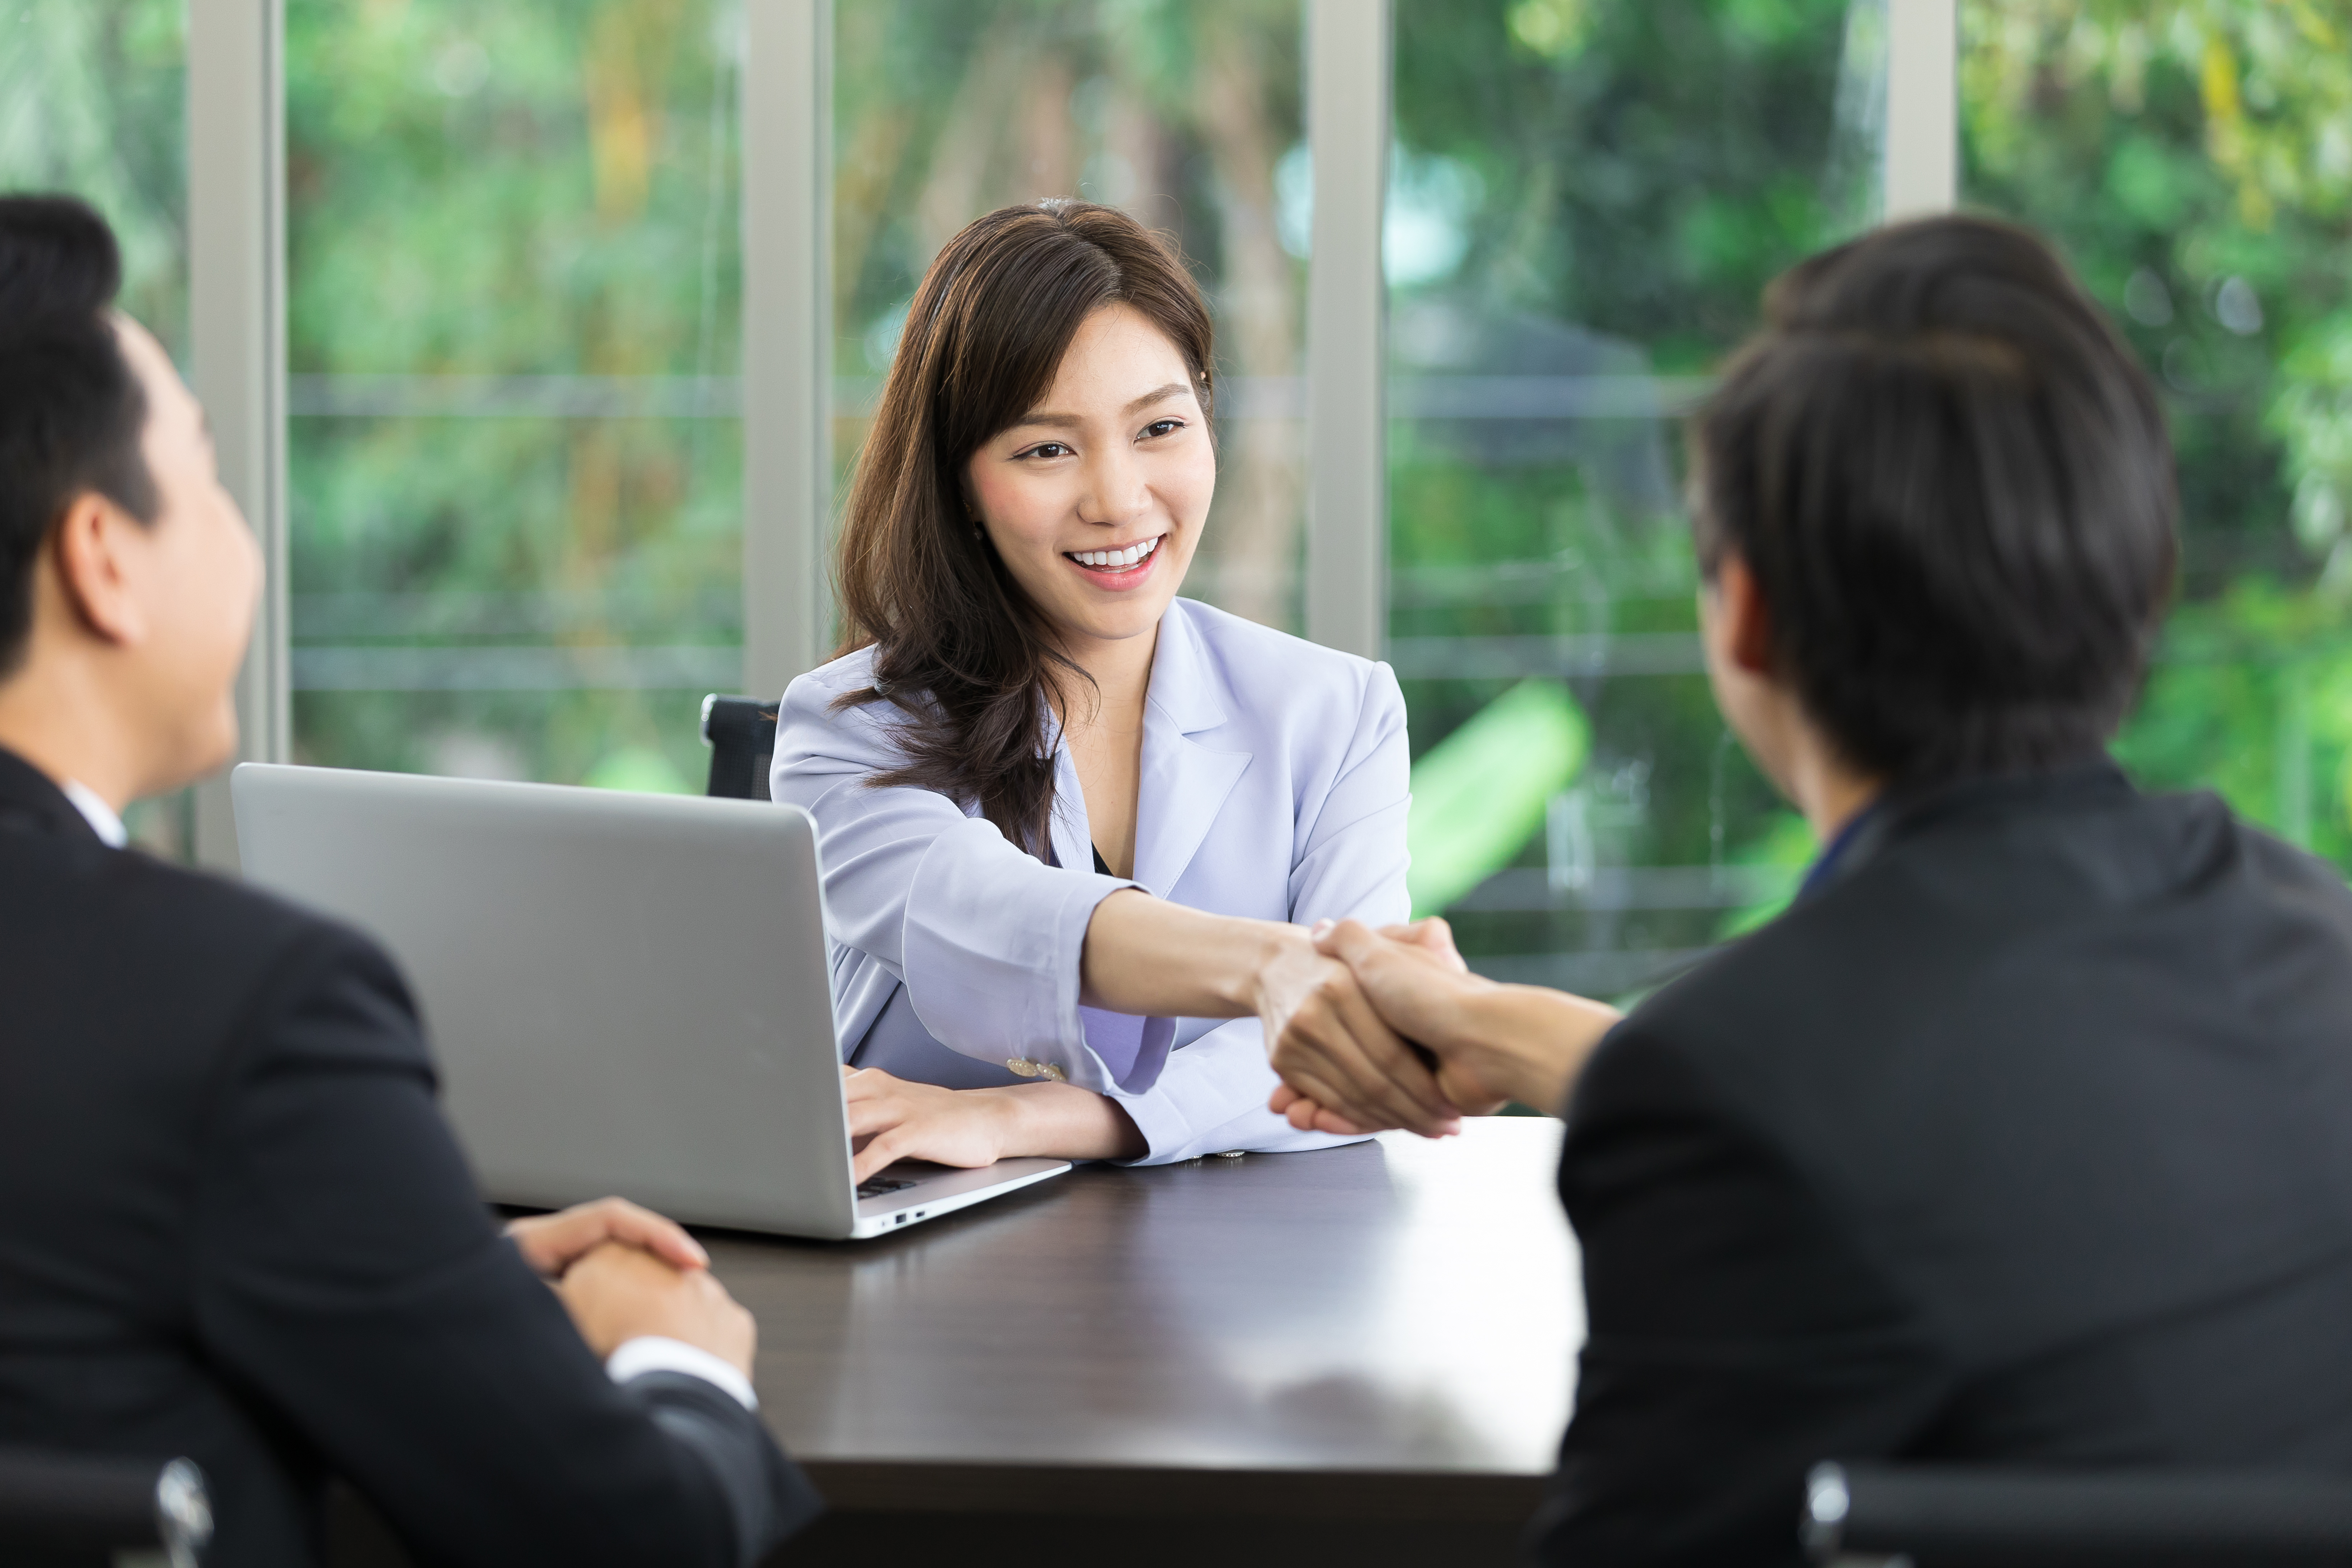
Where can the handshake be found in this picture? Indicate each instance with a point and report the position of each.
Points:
(1377, 1029)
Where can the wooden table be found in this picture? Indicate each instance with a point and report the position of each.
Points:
(1363, 1353)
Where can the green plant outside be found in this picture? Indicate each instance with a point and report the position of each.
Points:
(1642, 170)
(1479, 792)
(2194, 160)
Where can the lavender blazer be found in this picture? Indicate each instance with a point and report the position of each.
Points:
(1274, 785)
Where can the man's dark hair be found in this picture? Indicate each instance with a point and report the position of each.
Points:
(71, 409)
(1951, 481)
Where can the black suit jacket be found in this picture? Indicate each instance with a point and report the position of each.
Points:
(2028, 1137)
(233, 1226)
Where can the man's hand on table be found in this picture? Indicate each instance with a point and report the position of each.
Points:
(625, 1272)
(551, 1243)
(1492, 1043)
(617, 1292)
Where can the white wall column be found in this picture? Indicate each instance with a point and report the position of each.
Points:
(1922, 172)
(787, 338)
(1348, 64)
(236, 314)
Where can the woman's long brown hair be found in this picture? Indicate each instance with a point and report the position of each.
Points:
(959, 648)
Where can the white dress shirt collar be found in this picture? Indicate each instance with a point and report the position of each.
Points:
(96, 812)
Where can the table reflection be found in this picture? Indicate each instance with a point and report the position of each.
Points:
(1397, 1304)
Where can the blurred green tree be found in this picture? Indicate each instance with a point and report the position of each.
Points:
(92, 97)
(513, 331)
(513, 328)
(2194, 158)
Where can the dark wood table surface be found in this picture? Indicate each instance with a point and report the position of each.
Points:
(1371, 1344)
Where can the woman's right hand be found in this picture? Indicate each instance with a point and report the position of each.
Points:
(1153, 958)
(1492, 1042)
(1427, 946)
(1329, 1043)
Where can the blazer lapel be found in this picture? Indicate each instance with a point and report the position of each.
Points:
(1072, 834)
(1184, 781)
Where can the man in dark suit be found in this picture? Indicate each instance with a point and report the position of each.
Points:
(2026, 1134)
(232, 1224)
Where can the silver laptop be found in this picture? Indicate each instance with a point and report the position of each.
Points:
(624, 994)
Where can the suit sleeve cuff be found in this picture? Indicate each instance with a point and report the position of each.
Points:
(653, 1353)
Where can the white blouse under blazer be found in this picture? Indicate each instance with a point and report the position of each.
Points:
(1275, 783)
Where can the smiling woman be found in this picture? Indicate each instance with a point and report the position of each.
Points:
(1071, 827)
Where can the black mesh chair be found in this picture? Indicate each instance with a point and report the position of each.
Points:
(72, 1509)
(1929, 1516)
(742, 734)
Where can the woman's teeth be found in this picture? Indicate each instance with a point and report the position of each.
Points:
(1127, 557)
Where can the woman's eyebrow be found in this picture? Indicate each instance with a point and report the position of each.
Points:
(1070, 421)
(1158, 395)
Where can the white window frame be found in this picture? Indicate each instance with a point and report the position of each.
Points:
(1348, 75)
(236, 319)
(1920, 173)
(787, 338)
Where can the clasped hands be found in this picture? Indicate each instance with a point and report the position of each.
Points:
(625, 1272)
(1377, 1029)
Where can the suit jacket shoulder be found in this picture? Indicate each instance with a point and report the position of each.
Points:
(2028, 993)
(2020, 1140)
(233, 1226)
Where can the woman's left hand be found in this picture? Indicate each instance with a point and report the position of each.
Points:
(893, 1119)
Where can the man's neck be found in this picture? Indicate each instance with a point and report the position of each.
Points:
(1840, 801)
(65, 728)
(1826, 790)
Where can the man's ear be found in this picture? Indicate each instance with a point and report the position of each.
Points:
(93, 572)
(1748, 622)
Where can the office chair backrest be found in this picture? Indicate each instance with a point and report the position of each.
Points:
(742, 734)
(1933, 1516)
(72, 1507)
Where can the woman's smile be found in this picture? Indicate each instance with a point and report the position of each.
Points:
(1127, 566)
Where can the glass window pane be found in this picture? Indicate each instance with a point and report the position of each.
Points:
(1587, 197)
(2195, 162)
(515, 460)
(93, 102)
(1188, 117)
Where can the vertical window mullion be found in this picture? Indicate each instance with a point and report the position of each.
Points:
(787, 338)
(1921, 171)
(1347, 45)
(236, 289)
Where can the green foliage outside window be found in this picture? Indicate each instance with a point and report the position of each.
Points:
(500, 205)
(512, 331)
(2194, 158)
(1637, 171)
(92, 98)
(1479, 792)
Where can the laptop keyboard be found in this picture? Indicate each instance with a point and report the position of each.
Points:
(881, 1187)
